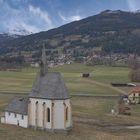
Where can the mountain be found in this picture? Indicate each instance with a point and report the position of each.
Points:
(13, 34)
(113, 31)
(20, 32)
(4, 37)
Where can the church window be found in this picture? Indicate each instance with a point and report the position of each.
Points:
(9, 113)
(48, 114)
(22, 117)
(15, 115)
(66, 113)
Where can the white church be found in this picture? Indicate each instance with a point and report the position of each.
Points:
(47, 107)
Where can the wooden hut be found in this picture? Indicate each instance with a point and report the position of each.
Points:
(85, 75)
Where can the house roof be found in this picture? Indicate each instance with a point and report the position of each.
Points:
(49, 86)
(18, 105)
(134, 90)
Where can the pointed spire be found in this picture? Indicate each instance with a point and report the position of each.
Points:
(44, 66)
(44, 56)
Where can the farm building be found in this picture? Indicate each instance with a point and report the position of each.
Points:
(85, 75)
(134, 95)
(47, 106)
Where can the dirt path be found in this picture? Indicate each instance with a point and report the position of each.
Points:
(105, 124)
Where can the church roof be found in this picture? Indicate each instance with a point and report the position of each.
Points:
(18, 105)
(49, 86)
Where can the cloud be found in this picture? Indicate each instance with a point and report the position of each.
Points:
(70, 18)
(133, 5)
(26, 17)
(42, 14)
(21, 25)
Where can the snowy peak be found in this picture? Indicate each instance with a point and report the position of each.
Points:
(22, 32)
(9, 35)
(15, 33)
(137, 11)
(119, 12)
(111, 12)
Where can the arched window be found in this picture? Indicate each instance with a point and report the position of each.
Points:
(66, 113)
(48, 114)
(36, 113)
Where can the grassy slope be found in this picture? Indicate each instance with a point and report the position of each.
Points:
(22, 81)
(103, 74)
(17, 81)
(83, 107)
(89, 108)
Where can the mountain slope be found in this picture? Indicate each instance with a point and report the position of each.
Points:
(115, 31)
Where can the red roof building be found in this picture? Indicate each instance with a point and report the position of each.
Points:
(134, 95)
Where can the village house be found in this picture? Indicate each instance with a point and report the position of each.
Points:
(134, 95)
(47, 107)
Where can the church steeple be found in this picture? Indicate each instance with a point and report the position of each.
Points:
(43, 65)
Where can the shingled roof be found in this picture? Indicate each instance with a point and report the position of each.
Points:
(18, 105)
(49, 86)
(134, 90)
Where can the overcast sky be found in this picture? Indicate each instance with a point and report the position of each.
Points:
(41, 15)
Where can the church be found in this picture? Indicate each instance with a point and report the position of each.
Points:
(47, 107)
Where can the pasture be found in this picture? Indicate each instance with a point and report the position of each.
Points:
(97, 84)
(91, 118)
(91, 115)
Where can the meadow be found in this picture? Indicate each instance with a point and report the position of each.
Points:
(97, 84)
(91, 115)
(91, 118)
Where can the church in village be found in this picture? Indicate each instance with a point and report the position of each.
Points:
(47, 107)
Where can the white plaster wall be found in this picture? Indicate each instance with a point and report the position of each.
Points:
(11, 119)
(136, 100)
(40, 112)
(136, 95)
(69, 122)
(2, 119)
(58, 113)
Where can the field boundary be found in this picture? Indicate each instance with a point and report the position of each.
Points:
(73, 95)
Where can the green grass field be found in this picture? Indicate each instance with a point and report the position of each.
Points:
(98, 83)
(83, 108)
(87, 109)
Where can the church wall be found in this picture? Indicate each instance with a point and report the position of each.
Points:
(32, 112)
(59, 114)
(69, 121)
(57, 121)
(16, 120)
